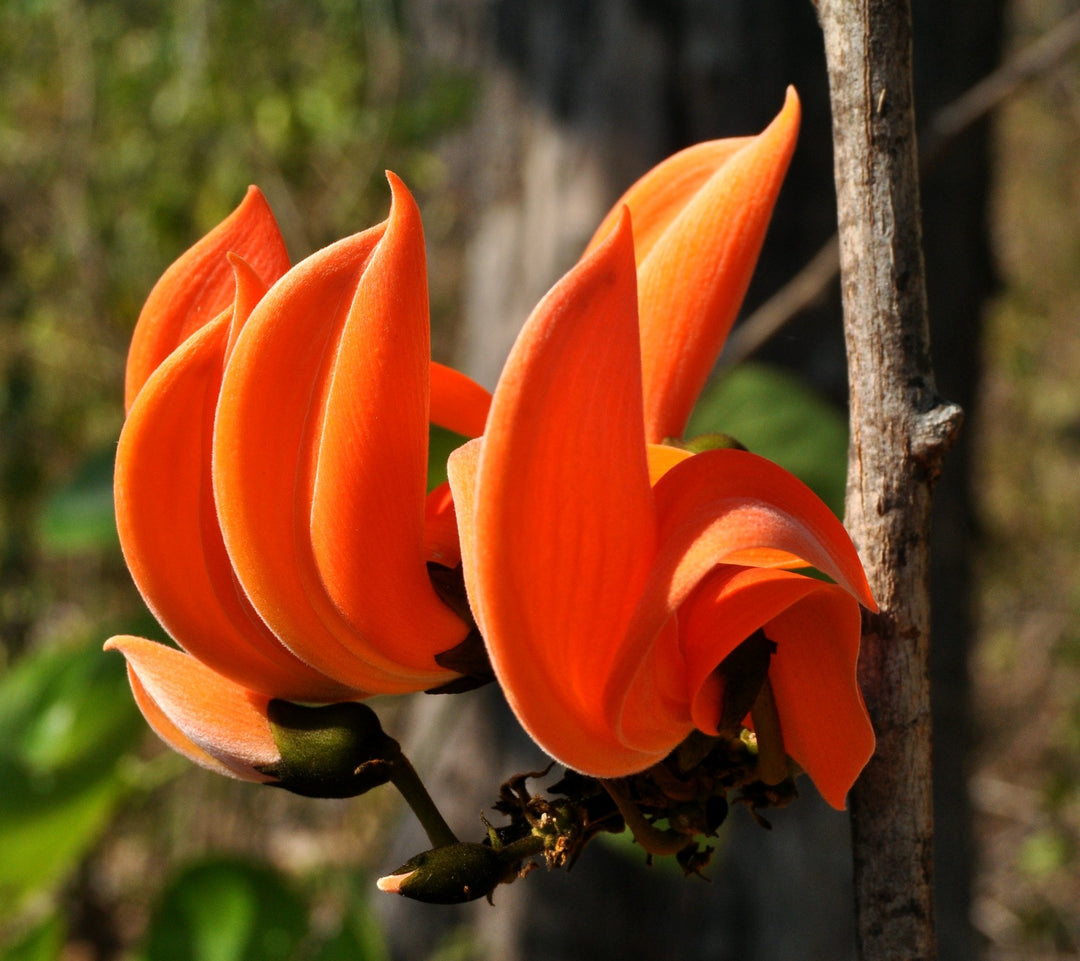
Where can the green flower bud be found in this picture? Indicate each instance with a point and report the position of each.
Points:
(452, 874)
(332, 751)
(714, 441)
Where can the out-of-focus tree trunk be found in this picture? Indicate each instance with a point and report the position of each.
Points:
(576, 99)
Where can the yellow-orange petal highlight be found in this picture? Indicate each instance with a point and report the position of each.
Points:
(199, 285)
(188, 705)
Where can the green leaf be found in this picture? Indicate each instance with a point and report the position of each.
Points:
(777, 416)
(441, 444)
(78, 517)
(67, 705)
(227, 910)
(66, 717)
(47, 823)
(43, 942)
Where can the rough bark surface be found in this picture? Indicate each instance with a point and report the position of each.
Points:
(899, 432)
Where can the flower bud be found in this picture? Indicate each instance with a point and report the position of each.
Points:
(331, 751)
(452, 874)
(713, 441)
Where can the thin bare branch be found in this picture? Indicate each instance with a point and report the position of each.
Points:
(810, 285)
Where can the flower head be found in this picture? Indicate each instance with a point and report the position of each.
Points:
(611, 577)
(271, 481)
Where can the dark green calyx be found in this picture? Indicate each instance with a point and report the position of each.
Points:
(452, 874)
(715, 441)
(331, 751)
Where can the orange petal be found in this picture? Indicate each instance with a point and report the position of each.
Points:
(816, 628)
(199, 285)
(824, 720)
(560, 531)
(319, 461)
(169, 532)
(210, 720)
(440, 528)
(729, 507)
(458, 403)
(657, 198)
(695, 275)
(734, 507)
(372, 457)
(727, 607)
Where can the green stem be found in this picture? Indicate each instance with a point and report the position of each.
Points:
(408, 782)
(651, 838)
(523, 848)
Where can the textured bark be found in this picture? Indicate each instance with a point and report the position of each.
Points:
(900, 431)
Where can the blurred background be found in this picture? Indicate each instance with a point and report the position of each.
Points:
(127, 130)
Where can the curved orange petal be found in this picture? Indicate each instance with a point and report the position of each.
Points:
(458, 403)
(199, 285)
(824, 720)
(695, 275)
(816, 628)
(210, 720)
(319, 461)
(727, 607)
(169, 532)
(368, 496)
(734, 507)
(729, 507)
(440, 528)
(658, 197)
(559, 531)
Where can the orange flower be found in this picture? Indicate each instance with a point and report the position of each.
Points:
(610, 577)
(270, 481)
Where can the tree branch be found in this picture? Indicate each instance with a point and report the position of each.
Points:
(900, 431)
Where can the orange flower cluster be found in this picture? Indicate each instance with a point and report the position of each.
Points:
(270, 492)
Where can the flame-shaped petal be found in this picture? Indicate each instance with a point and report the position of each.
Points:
(199, 285)
(320, 461)
(699, 223)
(558, 529)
